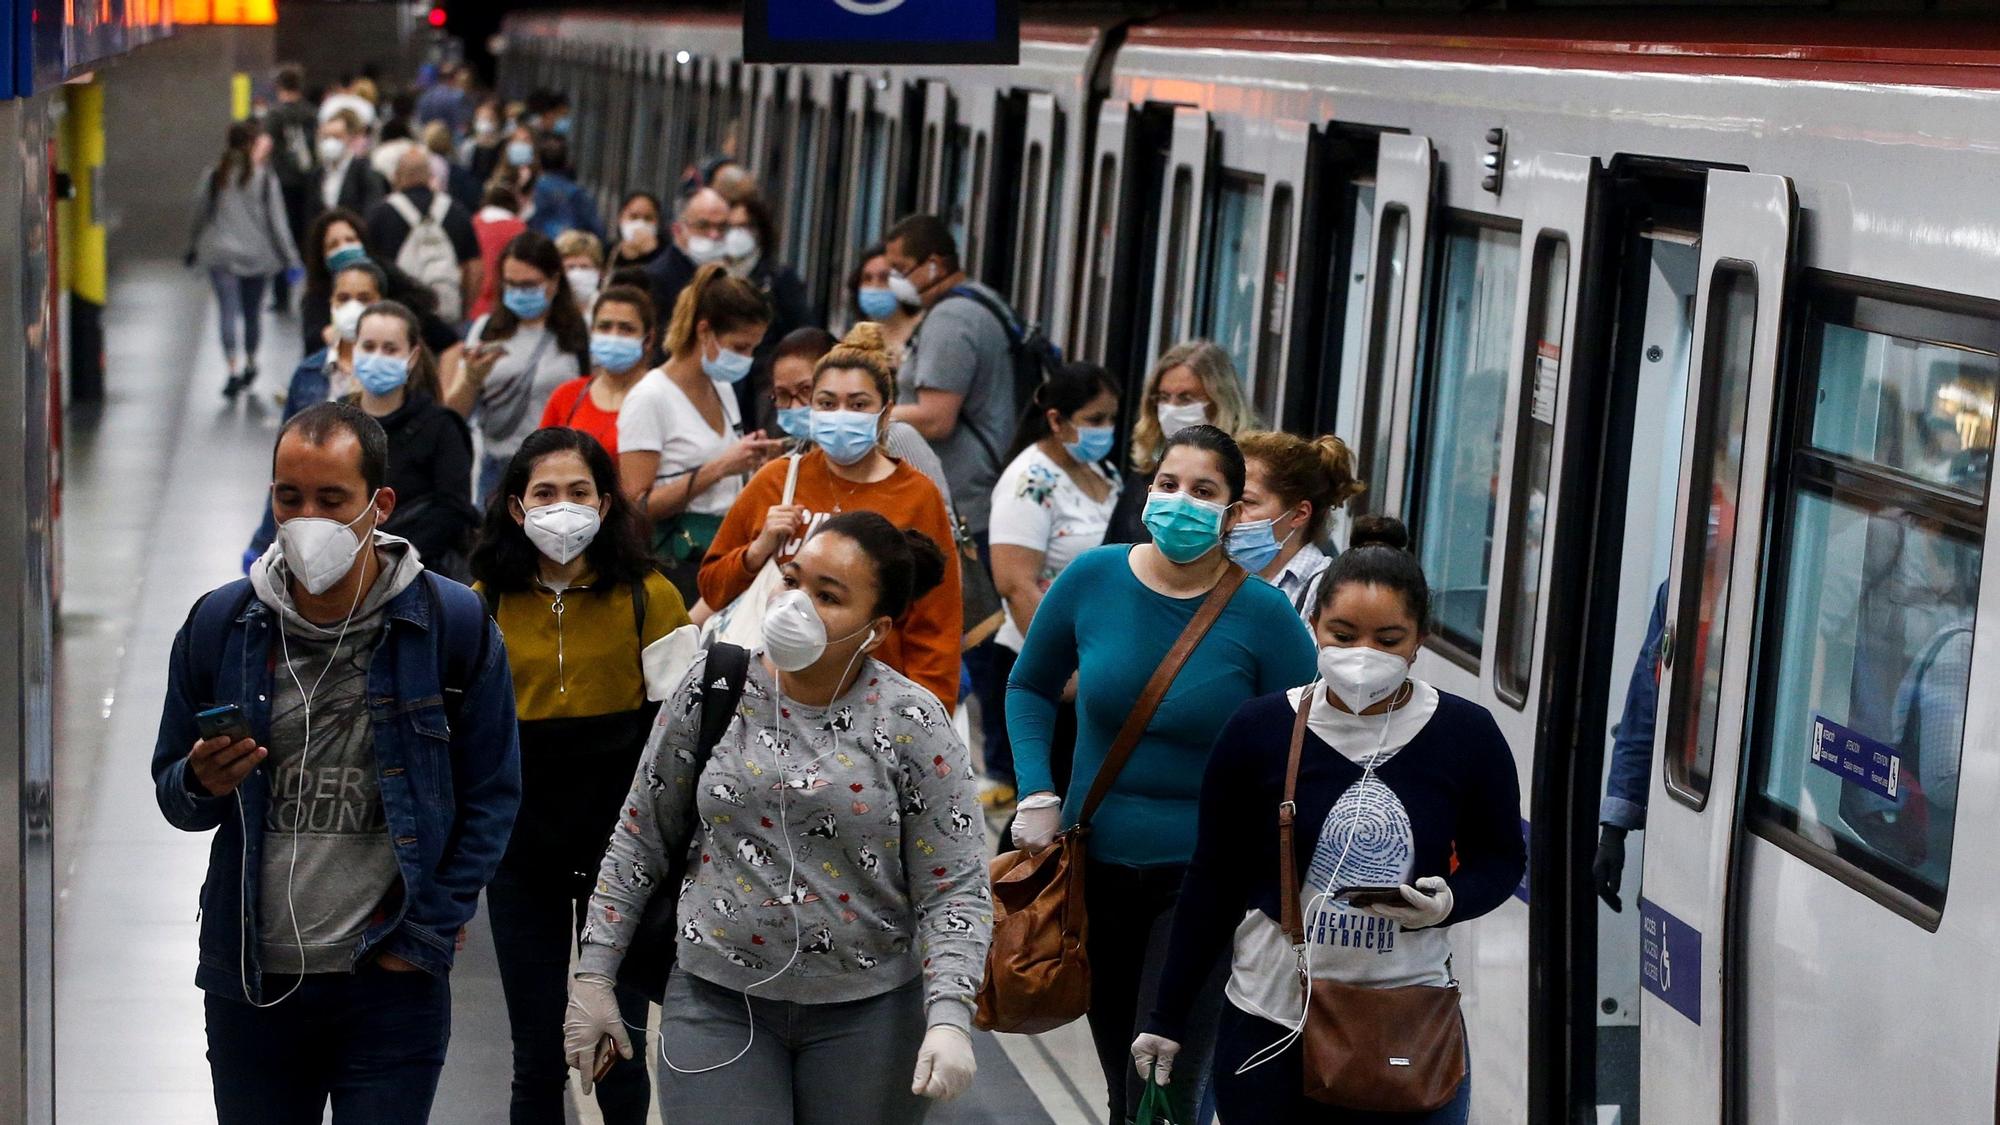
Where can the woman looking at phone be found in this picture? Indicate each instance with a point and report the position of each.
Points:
(1399, 785)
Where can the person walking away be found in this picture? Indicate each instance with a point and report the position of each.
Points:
(1391, 782)
(495, 224)
(241, 237)
(622, 330)
(518, 354)
(698, 232)
(561, 203)
(1110, 618)
(683, 453)
(1050, 505)
(638, 232)
(1292, 487)
(564, 566)
(361, 783)
(430, 449)
(828, 955)
(345, 178)
(448, 101)
(337, 241)
(428, 235)
(293, 126)
(793, 365)
(1192, 383)
(847, 471)
(583, 263)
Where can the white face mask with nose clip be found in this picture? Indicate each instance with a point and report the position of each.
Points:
(318, 551)
(1359, 676)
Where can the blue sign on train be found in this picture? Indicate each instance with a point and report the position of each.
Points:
(1670, 959)
(882, 31)
(1856, 758)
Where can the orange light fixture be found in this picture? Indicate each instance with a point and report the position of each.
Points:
(251, 12)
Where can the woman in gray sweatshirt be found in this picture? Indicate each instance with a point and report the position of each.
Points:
(834, 915)
(241, 238)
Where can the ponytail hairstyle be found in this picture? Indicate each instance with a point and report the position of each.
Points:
(726, 303)
(1318, 470)
(1378, 554)
(1068, 390)
(862, 349)
(235, 156)
(423, 378)
(564, 319)
(908, 563)
(1219, 381)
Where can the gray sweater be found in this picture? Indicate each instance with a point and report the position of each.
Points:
(241, 228)
(865, 812)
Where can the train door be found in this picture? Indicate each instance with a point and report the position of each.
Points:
(1190, 157)
(1375, 406)
(932, 196)
(1708, 624)
(1035, 218)
(1129, 166)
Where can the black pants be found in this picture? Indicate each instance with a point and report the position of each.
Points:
(1275, 1091)
(1131, 912)
(535, 922)
(372, 1041)
(988, 663)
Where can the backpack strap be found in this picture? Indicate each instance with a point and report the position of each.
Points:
(207, 629)
(1008, 323)
(440, 207)
(401, 204)
(721, 690)
(460, 636)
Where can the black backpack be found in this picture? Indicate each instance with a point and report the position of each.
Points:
(1035, 358)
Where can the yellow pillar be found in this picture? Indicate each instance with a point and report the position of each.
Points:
(239, 96)
(82, 228)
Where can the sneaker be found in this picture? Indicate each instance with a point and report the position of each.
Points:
(233, 387)
(996, 796)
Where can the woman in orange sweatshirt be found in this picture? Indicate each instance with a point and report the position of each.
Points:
(848, 471)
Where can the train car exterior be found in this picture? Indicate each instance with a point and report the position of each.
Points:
(1612, 320)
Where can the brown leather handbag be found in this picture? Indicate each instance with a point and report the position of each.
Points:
(1389, 1050)
(1037, 971)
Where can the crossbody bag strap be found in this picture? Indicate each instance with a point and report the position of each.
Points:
(1156, 689)
(1288, 863)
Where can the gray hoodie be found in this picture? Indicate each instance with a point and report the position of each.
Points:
(328, 863)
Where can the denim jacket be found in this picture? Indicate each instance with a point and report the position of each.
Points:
(449, 791)
(1630, 780)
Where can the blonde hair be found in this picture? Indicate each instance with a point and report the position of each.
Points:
(1317, 470)
(573, 242)
(726, 303)
(864, 348)
(1217, 373)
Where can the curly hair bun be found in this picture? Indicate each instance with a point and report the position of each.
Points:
(866, 336)
(1378, 531)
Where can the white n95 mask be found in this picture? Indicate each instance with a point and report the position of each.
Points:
(794, 636)
(318, 551)
(1361, 676)
(562, 531)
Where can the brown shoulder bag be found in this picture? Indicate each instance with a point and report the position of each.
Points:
(1037, 972)
(1389, 1050)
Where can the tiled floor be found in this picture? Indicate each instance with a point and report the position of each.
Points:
(163, 488)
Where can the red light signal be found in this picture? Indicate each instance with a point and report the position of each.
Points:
(437, 17)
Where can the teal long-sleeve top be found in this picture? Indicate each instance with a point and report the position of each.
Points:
(1099, 621)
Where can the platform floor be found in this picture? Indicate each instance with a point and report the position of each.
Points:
(162, 488)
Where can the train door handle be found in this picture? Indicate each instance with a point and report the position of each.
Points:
(1667, 647)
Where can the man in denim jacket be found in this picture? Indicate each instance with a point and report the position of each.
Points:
(363, 794)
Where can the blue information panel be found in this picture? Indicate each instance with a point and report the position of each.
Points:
(1856, 758)
(882, 31)
(1670, 959)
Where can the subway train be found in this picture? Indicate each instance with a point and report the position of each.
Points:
(1612, 309)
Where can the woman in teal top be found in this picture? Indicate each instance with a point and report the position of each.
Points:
(1110, 619)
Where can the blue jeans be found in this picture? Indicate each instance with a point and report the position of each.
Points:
(1274, 1091)
(989, 662)
(372, 1040)
(239, 299)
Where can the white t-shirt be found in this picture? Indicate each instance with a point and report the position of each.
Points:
(511, 400)
(1036, 505)
(1366, 840)
(658, 417)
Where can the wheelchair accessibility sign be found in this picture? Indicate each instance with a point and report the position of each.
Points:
(882, 31)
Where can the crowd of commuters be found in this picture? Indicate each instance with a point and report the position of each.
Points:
(729, 551)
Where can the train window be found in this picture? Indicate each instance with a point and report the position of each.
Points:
(1857, 744)
(926, 190)
(1378, 408)
(1277, 304)
(1713, 497)
(1104, 226)
(1534, 452)
(975, 209)
(1177, 225)
(957, 190)
(1025, 265)
(1457, 440)
(1230, 303)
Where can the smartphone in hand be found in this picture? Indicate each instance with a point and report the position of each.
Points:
(226, 721)
(1365, 896)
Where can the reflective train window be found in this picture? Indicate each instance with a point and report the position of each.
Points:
(1858, 740)
(1031, 218)
(1183, 200)
(1457, 440)
(1101, 249)
(1534, 451)
(1385, 314)
(1229, 302)
(956, 192)
(1277, 304)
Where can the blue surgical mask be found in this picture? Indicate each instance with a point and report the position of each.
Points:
(796, 421)
(380, 374)
(351, 254)
(727, 366)
(561, 127)
(526, 301)
(1092, 444)
(1183, 527)
(520, 153)
(878, 302)
(616, 354)
(845, 435)
(1253, 544)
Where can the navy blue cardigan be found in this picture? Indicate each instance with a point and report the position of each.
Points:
(1456, 779)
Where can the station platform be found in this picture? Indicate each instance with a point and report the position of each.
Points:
(163, 488)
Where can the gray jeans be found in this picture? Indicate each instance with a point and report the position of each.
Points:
(808, 1064)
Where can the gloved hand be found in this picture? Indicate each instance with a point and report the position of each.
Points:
(1153, 1055)
(1037, 819)
(592, 1016)
(1608, 869)
(1429, 902)
(945, 1065)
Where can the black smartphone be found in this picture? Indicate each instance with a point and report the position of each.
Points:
(225, 721)
(1390, 895)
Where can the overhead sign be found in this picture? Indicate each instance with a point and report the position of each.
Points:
(882, 31)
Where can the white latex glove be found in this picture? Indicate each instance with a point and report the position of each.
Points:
(1154, 1058)
(1037, 819)
(592, 1016)
(945, 1065)
(1429, 903)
